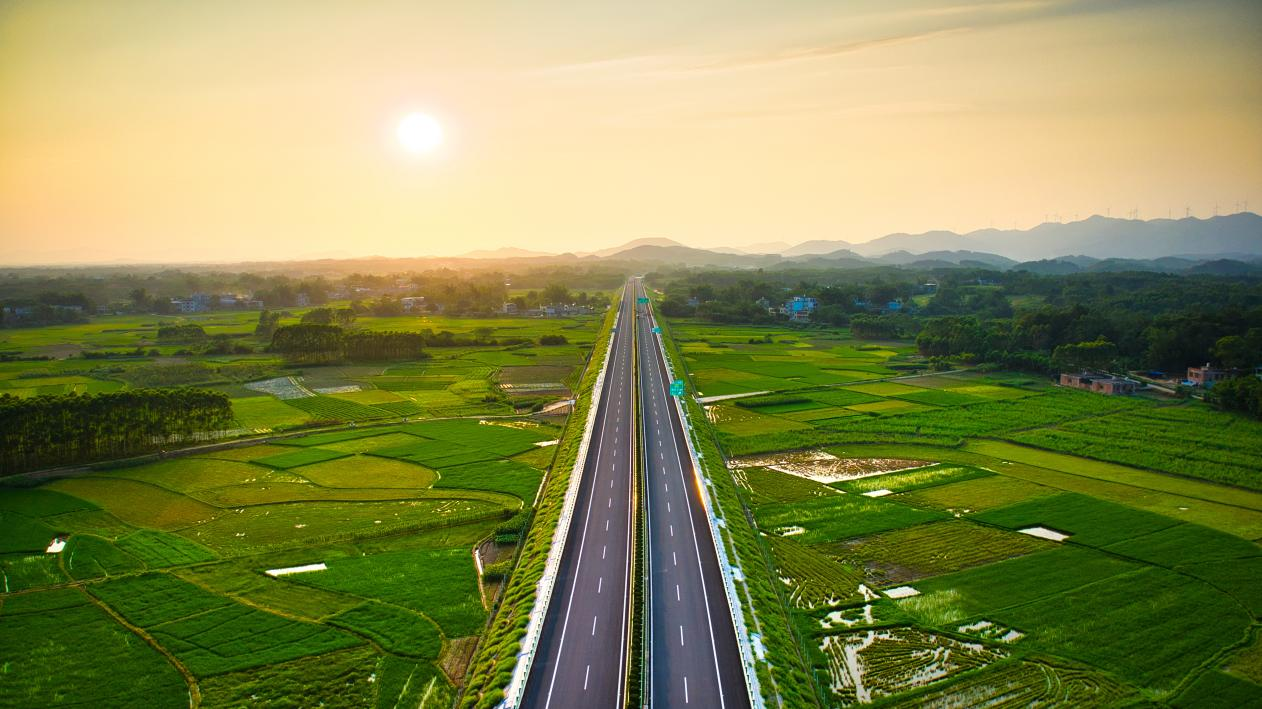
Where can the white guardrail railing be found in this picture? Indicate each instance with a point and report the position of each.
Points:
(717, 524)
(516, 688)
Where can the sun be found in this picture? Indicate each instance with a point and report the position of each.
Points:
(419, 133)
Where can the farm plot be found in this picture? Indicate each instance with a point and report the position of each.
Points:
(501, 438)
(814, 580)
(238, 496)
(60, 649)
(449, 594)
(904, 481)
(1159, 439)
(368, 471)
(1088, 520)
(744, 421)
(867, 665)
(395, 629)
(434, 454)
(1185, 544)
(980, 592)
(24, 533)
(20, 572)
(913, 553)
(262, 527)
(517, 479)
(766, 485)
(137, 503)
(351, 678)
(191, 474)
(1178, 623)
(304, 456)
(977, 494)
(211, 634)
(838, 517)
(92, 557)
(263, 413)
(1237, 578)
(328, 408)
(157, 550)
(1029, 683)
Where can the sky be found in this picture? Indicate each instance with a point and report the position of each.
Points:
(151, 130)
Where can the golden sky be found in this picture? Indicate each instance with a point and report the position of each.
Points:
(250, 129)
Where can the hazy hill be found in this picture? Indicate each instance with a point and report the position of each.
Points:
(1235, 235)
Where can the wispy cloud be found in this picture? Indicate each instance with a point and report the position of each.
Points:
(920, 25)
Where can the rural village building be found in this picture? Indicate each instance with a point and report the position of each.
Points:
(1099, 383)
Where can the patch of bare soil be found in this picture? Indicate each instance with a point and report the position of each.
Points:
(825, 467)
(456, 662)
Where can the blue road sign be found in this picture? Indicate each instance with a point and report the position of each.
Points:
(677, 387)
(657, 330)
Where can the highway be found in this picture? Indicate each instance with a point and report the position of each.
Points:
(582, 652)
(692, 652)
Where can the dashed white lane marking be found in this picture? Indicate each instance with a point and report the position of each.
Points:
(681, 630)
(681, 633)
(667, 509)
(600, 583)
(606, 525)
(685, 688)
(674, 558)
(672, 530)
(667, 486)
(677, 592)
(610, 505)
(603, 548)
(588, 673)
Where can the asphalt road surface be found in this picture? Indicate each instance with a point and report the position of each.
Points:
(582, 653)
(693, 657)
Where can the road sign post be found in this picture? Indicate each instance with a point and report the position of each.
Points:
(677, 387)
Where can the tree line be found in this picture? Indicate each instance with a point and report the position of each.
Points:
(314, 343)
(48, 431)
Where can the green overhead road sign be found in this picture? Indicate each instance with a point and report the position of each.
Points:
(677, 387)
(657, 330)
(641, 300)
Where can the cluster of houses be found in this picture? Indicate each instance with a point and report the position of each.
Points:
(1100, 383)
(799, 307)
(205, 302)
(1207, 375)
(1203, 377)
(547, 311)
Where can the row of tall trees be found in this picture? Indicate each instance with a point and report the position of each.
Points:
(48, 431)
(312, 343)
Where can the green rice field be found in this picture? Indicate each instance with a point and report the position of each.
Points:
(161, 590)
(1097, 551)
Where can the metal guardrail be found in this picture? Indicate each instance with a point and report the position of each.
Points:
(725, 566)
(516, 688)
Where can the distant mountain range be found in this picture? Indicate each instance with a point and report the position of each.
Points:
(1231, 243)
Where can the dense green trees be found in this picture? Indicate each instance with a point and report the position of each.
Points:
(323, 344)
(266, 326)
(1097, 354)
(1243, 394)
(329, 316)
(47, 431)
(181, 333)
(1013, 319)
(308, 343)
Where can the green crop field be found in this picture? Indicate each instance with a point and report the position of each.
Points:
(178, 549)
(1146, 601)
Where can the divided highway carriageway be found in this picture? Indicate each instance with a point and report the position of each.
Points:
(691, 657)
